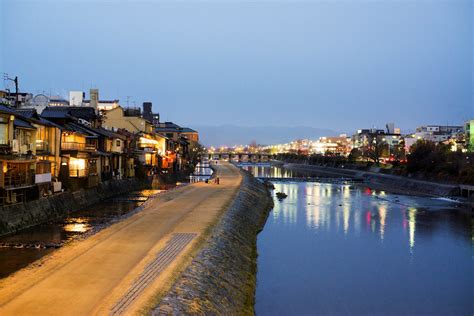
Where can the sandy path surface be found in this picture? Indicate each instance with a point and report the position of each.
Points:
(91, 276)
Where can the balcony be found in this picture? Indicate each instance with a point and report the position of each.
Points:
(42, 147)
(77, 146)
(18, 179)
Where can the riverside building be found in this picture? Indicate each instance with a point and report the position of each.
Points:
(48, 145)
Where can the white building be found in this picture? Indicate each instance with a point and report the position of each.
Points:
(76, 98)
(437, 133)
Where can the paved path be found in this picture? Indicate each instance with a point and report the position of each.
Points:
(143, 253)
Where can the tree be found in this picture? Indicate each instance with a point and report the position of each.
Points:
(195, 150)
(374, 147)
(354, 155)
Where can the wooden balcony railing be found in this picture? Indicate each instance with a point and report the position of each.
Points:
(42, 147)
(18, 179)
(77, 146)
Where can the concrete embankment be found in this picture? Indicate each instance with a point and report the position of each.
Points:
(396, 184)
(221, 279)
(19, 216)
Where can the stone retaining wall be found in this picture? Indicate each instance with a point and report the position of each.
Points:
(221, 279)
(19, 216)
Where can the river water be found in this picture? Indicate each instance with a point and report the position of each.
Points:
(26, 246)
(344, 249)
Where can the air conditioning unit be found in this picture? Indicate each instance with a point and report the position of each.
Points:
(15, 146)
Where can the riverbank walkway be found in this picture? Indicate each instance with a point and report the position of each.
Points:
(122, 268)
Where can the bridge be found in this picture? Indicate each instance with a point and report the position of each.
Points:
(238, 157)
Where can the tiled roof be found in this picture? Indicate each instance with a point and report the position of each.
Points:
(44, 121)
(55, 112)
(107, 133)
(28, 113)
(18, 122)
(32, 115)
(6, 109)
(167, 130)
(76, 128)
(187, 130)
(82, 112)
(168, 125)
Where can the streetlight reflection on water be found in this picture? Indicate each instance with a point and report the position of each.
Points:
(342, 208)
(328, 247)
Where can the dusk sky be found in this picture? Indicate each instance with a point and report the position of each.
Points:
(339, 65)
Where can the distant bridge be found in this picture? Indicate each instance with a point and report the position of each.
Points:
(239, 157)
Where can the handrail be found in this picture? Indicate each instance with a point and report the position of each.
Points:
(77, 146)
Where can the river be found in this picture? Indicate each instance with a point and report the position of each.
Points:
(344, 249)
(21, 249)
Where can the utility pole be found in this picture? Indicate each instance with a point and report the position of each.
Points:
(5, 77)
(16, 91)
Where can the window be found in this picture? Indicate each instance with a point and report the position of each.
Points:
(42, 138)
(26, 139)
(3, 133)
(77, 167)
(148, 159)
(118, 143)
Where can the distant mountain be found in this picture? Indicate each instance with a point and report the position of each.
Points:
(228, 135)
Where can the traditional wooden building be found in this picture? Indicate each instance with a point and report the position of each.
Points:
(17, 161)
(80, 162)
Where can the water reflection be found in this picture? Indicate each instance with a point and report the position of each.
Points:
(77, 227)
(382, 216)
(335, 249)
(344, 208)
(267, 172)
(20, 249)
(412, 225)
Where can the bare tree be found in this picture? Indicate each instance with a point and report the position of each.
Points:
(374, 148)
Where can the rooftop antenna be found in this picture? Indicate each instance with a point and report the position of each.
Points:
(128, 99)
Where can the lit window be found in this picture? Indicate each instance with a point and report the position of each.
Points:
(77, 167)
(3, 131)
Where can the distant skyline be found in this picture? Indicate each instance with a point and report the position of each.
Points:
(338, 65)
